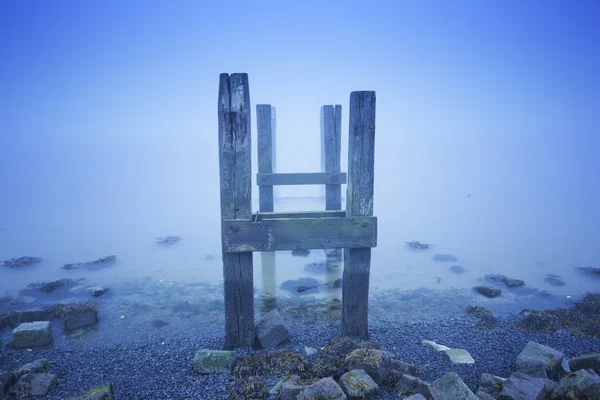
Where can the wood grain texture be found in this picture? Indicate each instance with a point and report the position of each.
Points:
(359, 202)
(299, 214)
(299, 233)
(303, 178)
(265, 154)
(236, 193)
(331, 147)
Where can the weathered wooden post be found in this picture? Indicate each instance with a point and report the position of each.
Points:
(236, 202)
(359, 202)
(265, 154)
(331, 147)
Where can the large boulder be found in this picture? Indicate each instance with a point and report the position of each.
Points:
(34, 384)
(539, 361)
(32, 334)
(357, 384)
(405, 368)
(270, 330)
(450, 387)
(582, 384)
(377, 363)
(79, 316)
(214, 361)
(408, 385)
(587, 361)
(324, 389)
(524, 387)
(510, 282)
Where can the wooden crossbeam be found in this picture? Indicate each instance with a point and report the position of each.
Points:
(298, 214)
(307, 178)
(299, 233)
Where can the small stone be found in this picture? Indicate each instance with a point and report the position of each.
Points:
(587, 361)
(214, 361)
(539, 361)
(357, 384)
(32, 334)
(98, 291)
(270, 330)
(459, 356)
(34, 384)
(451, 387)
(488, 291)
(324, 389)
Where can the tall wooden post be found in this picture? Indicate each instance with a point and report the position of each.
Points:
(359, 202)
(236, 203)
(265, 154)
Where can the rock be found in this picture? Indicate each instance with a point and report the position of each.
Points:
(7, 380)
(488, 291)
(97, 291)
(357, 384)
(290, 389)
(37, 366)
(270, 330)
(577, 385)
(450, 387)
(376, 363)
(485, 318)
(445, 257)
(434, 345)
(34, 384)
(101, 262)
(80, 316)
(539, 361)
(168, 240)
(490, 384)
(459, 356)
(72, 266)
(592, 272)
(252, 387)
(324, 389)
(524, 387)
(304, 288)
(21, 262)
(321, 267)
(555, 280)
(99, 393)
(457, 269)
(510, 282)
(415, 397)
(484, 396)
(214, 361)
(310, 351)
(300, 285)
(407, 385)
(587, 361)
(300, 253)
(32, 334)
(405, 368)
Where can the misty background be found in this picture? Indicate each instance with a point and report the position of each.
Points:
(108, 129)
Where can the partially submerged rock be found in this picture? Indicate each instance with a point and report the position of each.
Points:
(214, 361)
(101, 262)
(80, 316)
(555, 280)
(488, 291)
(168, 240)
(445, 258)
(510, 282)
(98, 291)
(457, 269)
(21, 262)
(592, 272)
(32, 334)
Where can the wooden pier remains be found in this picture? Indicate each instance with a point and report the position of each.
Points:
(354, 230)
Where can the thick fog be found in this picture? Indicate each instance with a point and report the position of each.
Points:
(486, 131)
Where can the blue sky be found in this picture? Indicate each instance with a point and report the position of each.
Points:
(108, 109)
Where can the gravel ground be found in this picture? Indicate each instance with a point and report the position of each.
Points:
(162, 369)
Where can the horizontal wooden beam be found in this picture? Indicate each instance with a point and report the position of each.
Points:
(309, 178)
(302, 233)
(298, 214)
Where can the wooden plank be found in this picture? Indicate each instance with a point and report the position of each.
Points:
(307, 178)
(236, 195)
(331, 147)
(299, 214)
(359, 202)
(274, 141)
(265, 155)
(302, 233)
